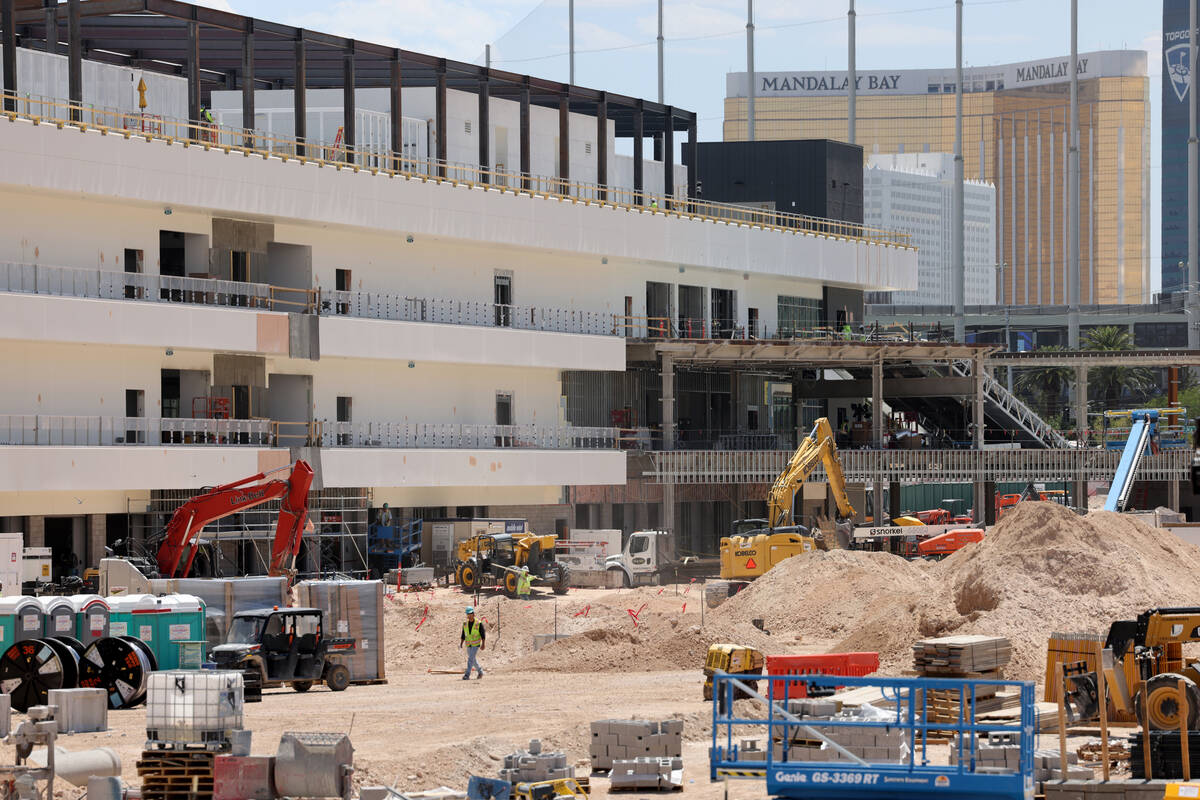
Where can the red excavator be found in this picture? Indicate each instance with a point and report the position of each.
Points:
(182, 532)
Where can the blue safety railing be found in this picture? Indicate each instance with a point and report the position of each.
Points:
(788, 773)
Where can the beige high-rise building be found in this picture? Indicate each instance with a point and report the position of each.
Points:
(1015, 119)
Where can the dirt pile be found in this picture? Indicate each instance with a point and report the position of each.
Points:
(1042, 569)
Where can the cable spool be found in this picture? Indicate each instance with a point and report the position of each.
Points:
(30, 669)
(73, 643)
(121, 666)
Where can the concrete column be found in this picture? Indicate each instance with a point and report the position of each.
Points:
(877, 405)
(668, 157)
(248, 81)
(396, 107)
(35, 531)
(193, 71)
(485, 126)
(51, 7)
(8, 42)
(1081, 401)
(602, 144)
(439, 103)
(639, 133)
(97, 534)
(894, 508)
(668, 402)
(1081, 404)
(668, 508)
(1173, 495)
(691, 160)
(564, 138)
(977, 414)
(299, 95)
(348, 104)
(74, 58)
(525, 151)
(980, 421)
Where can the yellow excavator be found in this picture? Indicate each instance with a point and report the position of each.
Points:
(745, 557)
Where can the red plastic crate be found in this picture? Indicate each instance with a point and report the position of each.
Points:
(847, 664)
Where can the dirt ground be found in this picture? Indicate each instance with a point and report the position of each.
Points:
(426, 729)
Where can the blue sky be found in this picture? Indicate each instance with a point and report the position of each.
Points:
(706, 38)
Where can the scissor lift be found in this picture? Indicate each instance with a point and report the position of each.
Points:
(912, 776)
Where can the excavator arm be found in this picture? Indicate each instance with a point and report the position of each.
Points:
(816, 448)
(180, 544)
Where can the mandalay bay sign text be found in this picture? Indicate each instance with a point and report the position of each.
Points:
(1107, 63)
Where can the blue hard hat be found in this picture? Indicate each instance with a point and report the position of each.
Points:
(470, 609)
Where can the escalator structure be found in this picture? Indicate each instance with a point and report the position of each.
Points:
(946, 418)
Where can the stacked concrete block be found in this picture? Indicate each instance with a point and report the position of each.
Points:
(526, 766)
(647, 773)
(751, 750)
(628, 739)
(877, 743)
(1105, 790)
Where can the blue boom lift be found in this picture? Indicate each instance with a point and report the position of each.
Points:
(1143, 439)
(789, 765)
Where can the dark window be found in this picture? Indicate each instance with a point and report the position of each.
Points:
(502, 290)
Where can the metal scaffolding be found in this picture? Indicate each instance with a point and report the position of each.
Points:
(241, 544)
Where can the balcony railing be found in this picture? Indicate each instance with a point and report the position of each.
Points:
(41, 110)
(450, 436)
(381, 305)
(95, 431)
(84, 431)
(112, 285)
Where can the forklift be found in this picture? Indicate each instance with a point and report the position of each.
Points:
(273, 647)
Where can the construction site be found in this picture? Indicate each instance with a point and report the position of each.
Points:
(394, 427)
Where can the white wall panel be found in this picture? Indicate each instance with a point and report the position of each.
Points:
(155, 173)
(482, 468)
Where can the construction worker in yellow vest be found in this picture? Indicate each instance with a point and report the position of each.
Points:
(523, 581)
(475, 639)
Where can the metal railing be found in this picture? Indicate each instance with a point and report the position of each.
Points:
(382, 305)
(43, 110)
(113, 285)
(89, 431)
(918, 466)
(403, 435)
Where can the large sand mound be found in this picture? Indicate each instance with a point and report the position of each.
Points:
(1042, 569)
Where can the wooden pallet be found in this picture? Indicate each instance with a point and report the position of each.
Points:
(176, 774)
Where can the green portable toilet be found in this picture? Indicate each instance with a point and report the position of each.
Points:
(134, 615)
(181, 620)
(91, 617)
(20, 619)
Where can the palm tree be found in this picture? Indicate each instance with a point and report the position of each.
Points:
(1043, 388)
(1110, 384)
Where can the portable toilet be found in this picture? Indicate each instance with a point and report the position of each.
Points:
(91, 617)
(58, 616)
(135, 615)
(20, 619)
(182, 621)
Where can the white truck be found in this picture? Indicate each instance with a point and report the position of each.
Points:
(649, 558)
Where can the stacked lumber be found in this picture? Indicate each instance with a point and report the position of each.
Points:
(176, 774)
(960, 655)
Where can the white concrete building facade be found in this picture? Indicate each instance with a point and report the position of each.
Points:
(176, 312)
(914, 193)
